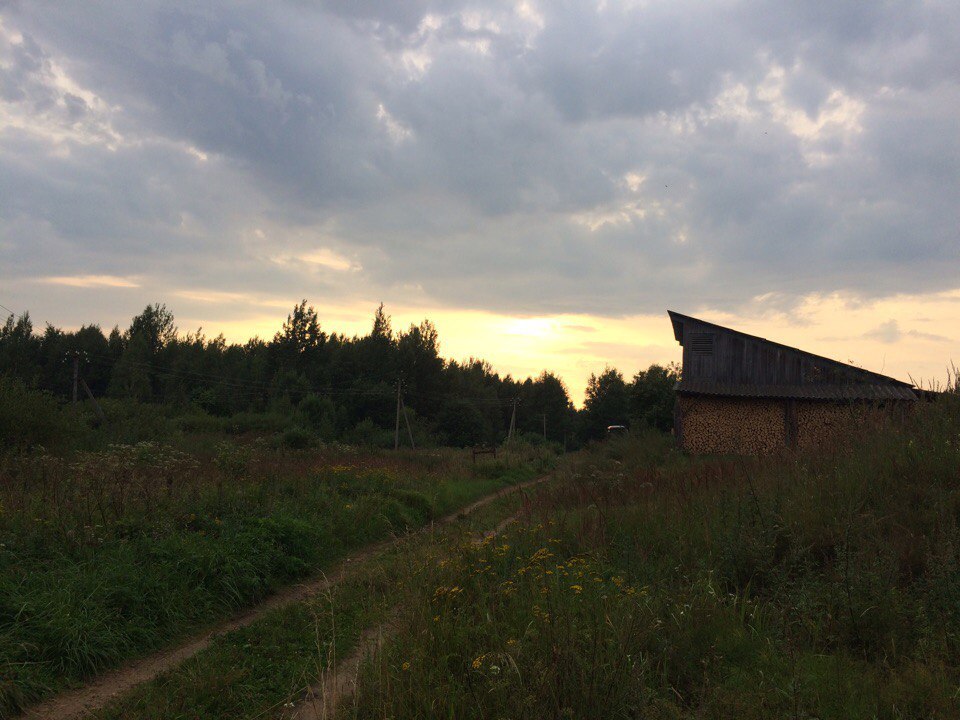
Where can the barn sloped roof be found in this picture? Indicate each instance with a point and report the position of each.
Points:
(859, 384)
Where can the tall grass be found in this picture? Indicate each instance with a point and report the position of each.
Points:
(106, 555)
(652, 585)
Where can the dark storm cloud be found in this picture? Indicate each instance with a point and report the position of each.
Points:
(530, 157)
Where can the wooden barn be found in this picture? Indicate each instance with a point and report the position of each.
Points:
(744, 394)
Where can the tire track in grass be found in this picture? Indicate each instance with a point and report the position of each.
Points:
(338, 683)
(93, 696)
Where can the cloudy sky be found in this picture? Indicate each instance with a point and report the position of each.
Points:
(542, 179)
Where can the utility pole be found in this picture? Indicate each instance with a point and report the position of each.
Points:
(79, 382)
(544, 415)
(407, 421)
(96, 405)
(76, 372)
(513, 420)
(396, 430)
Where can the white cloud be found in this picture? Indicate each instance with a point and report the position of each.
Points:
(43, 100)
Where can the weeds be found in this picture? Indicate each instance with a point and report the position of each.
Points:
(649, 585)
(109, 554)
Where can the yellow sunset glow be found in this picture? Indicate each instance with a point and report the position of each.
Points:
(901, 336)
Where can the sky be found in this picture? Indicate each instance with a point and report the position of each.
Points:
(543, 180)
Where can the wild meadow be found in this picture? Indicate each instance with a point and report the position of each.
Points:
(637, 582)
(110, 553)
(646, 584)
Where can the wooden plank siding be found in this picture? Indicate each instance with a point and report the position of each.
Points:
(739, 359)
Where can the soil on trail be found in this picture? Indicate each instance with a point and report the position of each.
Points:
(338, 682)
(74, 704)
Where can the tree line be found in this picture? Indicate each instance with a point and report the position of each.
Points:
(333, 385)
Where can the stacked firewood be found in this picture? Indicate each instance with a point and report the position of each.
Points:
(824, 423)
(741, 426)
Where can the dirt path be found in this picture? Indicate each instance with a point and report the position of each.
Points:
(338, 682)
(93, 696)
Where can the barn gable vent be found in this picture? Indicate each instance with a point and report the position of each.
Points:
(702, 343)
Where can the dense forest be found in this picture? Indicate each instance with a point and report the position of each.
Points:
(325, 385)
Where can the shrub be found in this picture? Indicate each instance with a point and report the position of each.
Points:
(297, 438)
(244, 422)
(367, 434)
(29, 417)
(319, 415)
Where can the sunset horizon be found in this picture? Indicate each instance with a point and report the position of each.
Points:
(575, 346)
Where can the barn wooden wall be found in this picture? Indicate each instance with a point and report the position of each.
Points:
(742, 359)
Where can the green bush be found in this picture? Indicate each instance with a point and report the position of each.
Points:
(490, 468)
(246, 422)
(297, 438)
(367, 434)
(319, 415)
(418, 503)
(199, 422)
(30, 417)
(131, 421)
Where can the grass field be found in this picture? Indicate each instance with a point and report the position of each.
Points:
(107, 555)
(263, 670)
(647, 585)
(638, 583)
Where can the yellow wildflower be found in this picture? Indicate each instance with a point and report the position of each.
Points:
(541, 554)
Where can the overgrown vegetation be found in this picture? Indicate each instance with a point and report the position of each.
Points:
(652, 586)
(262, 671)
(642, 583)
(108, 554)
